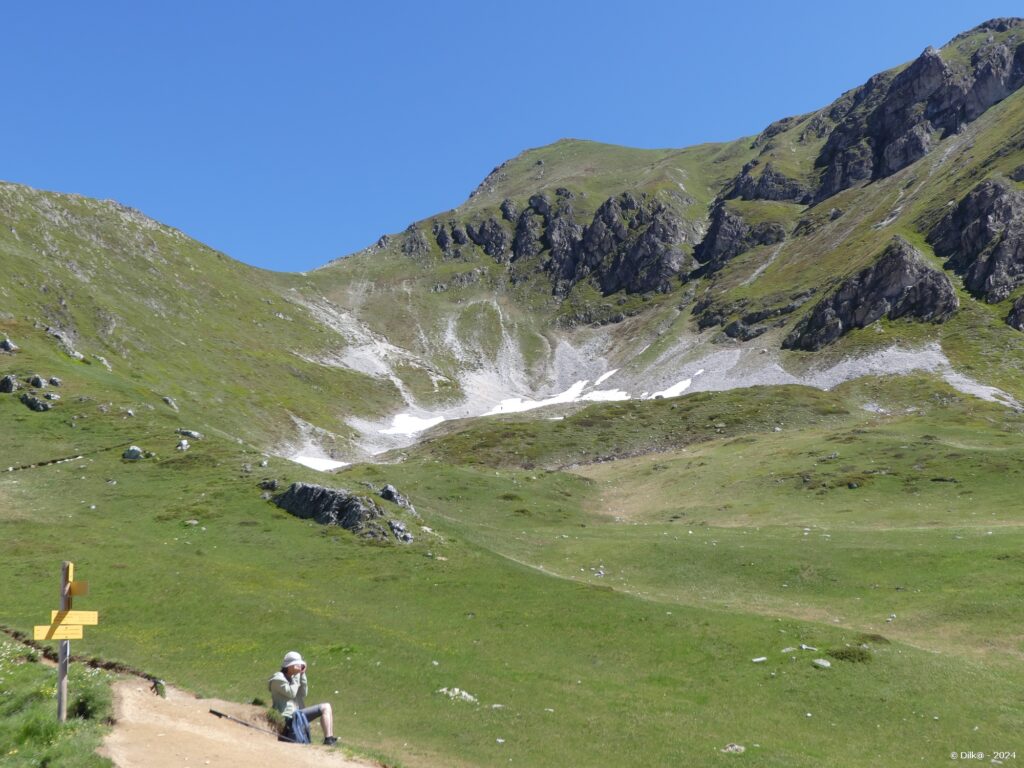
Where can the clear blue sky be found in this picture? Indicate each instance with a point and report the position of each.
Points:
(288, 134)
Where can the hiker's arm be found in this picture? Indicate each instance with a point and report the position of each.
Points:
(284, 688)
(303, 686)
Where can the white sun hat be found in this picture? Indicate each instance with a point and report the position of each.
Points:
(292, 657)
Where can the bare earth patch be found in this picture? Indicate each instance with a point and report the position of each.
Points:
(152, 732)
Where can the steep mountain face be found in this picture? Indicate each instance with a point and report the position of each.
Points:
(865, 238)
(899, 284)
(890, 123)
(983, 240)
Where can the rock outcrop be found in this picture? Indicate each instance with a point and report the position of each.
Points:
(768, 185)
(889, 122)
(1016, 317)
(729, 235)
(334, 506)
(983, 240)
(493, 238)
(34, 403)
(899, 284)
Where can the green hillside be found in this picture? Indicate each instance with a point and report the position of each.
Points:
(814, 553)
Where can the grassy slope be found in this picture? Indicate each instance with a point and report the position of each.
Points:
(172, 316)
(29, 734)
(503, 597)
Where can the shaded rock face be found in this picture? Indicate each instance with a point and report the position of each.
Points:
(414, 242)
(34, 403)
(888, 123)
(729, 235)
(983, 240)
(899, 284)
(9, 383)
(1016, 317)
(632, 245)
(770, 185)
(491, 237)
(334, 506)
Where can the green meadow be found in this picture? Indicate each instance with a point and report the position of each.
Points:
(601, 612)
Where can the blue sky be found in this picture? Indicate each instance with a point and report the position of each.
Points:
(288, 134)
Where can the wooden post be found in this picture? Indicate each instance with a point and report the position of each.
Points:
(67, 574)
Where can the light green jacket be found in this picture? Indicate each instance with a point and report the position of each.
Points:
(288, 695)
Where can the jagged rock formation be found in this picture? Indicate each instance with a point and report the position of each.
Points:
(889, 122)
(769, 185)
(729, 235)
(632, 244)
(899, 284)
(334, 506)
(983, 240)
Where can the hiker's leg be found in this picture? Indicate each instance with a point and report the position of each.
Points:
(327, 720)
(326, 715)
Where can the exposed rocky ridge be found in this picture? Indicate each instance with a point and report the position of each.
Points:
(769, 185)
(729, 235)
(633, 244)
(889, 122)
(983, 240)
(899, 284)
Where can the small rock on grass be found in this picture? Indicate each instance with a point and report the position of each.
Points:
(735, 749)
(822, 663)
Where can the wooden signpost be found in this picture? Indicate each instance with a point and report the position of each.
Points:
(66, 625)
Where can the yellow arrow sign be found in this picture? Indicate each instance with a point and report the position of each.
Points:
(78, 588)
(86, 618)
(57, 632)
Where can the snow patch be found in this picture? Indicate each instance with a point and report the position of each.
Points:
(407, 424)
(318, 463)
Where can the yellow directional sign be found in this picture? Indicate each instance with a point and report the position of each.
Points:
(86, 618)
(78, 588)
(57, 632)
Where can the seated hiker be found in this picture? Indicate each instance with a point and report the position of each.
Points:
(288, 690)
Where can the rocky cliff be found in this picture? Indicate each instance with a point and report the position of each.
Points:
(899, 284)
(983, 240)
(893, 120)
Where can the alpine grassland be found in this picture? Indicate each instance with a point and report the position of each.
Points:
(815, 560)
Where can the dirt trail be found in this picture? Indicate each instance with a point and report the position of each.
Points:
(179, 731)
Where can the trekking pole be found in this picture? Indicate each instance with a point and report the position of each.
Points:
(250, 725)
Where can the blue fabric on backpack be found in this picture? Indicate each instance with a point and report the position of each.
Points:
(300, 728)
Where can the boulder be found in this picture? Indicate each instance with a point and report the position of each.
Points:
(182, 445)
(333, 506)
(9, 383)
(190, 433)
(55, 382)
(982, 239)
(400, 531)
(899, 284)
(8, 346)
(132, 453)
(37, 381)
(170, 402)
(34, 403)
(390, 493)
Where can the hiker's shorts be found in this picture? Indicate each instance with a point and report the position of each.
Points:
(312, 713)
